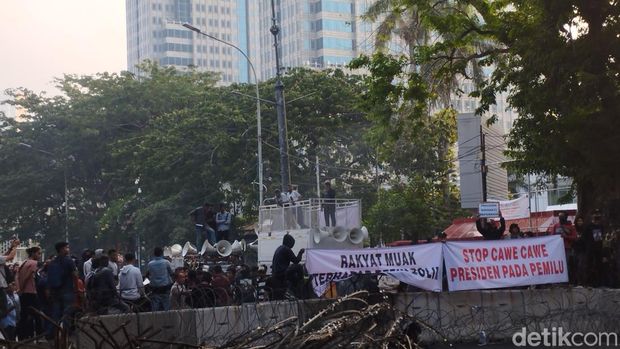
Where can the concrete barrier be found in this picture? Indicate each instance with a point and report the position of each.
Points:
(446, 316)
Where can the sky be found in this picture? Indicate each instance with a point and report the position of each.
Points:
(43, 39)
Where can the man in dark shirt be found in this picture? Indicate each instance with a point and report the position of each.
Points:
(101, 288)
(60, 281)
(284, 256)
(211, 224)
(488, 229)
(329, 205)
(593, 241)
(285, 274)
(202, 217)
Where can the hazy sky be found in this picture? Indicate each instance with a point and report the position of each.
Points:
(43, 39)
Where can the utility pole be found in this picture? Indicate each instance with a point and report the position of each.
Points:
(483, 164)
(318, 178)
(281, 112)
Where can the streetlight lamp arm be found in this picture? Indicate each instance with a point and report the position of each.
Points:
(194, 29)
(258, 99)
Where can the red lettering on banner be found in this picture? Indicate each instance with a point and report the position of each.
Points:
(547, 267)
(504, 253)
(475, 254)
(534, 251)
(514, 270)
(475, 273)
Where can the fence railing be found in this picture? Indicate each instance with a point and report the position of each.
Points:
(310, 213)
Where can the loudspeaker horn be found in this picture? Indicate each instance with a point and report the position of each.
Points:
(236, 247)
(318, 234)
(188, 248)
(253, 245)
(224, 248)
(207, 248)
(357, 235)
(175, 250)
(339, 233)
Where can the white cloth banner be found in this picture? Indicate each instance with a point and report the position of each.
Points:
(505, 263)
(515, 209)
(417, 265)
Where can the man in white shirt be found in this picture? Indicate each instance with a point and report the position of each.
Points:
(294, 197)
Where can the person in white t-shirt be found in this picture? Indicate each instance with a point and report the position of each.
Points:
(294, 197)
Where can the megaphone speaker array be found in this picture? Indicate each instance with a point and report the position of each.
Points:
(224, 248)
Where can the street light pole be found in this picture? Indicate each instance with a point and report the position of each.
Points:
(64, 172)
(258, 115)
(280, 110)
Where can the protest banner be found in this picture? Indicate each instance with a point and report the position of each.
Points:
(505, 263)
(418, 265)
(515, 209)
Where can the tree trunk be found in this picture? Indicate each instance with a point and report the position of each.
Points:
(603, 193)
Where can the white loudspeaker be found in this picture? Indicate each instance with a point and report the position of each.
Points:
(224, 248)
(175, 250)
(357, 235)
(339, 233)
(318, 234)
(252, 246)
(236, 247)
(188, 248)
(167, 251)
(207, 248)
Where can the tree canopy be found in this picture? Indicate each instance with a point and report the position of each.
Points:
(557, 60)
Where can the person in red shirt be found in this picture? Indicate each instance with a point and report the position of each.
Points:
(569, 234)
(566, 229)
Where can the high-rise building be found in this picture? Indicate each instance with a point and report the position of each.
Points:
(313, 33)
(155, 32)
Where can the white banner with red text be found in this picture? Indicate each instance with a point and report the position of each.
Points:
(474, 265)
(417, 265)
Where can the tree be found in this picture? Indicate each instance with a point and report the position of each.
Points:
(559, 63)
(140, 153)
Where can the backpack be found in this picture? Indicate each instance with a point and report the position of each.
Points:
(55, 274)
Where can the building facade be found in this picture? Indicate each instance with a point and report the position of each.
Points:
(155, 32)
(313, 33)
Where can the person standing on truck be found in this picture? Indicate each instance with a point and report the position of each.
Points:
(329, 205)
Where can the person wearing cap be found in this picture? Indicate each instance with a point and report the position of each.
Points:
(329, 205)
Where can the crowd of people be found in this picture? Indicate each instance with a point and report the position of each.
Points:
(592, 254)
(63, 287)
(105, 282)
